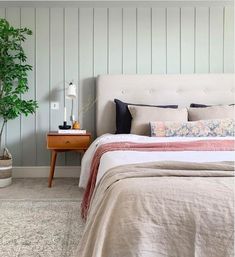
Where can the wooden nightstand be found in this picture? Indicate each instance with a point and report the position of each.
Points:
(65, 142)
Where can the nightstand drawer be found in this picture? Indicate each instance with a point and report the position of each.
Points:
(68, 142)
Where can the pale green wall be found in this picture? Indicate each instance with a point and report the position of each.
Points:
(77, 42)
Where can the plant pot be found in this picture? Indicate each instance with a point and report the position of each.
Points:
(5, 169)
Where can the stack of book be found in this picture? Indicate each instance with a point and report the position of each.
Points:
(72, 131)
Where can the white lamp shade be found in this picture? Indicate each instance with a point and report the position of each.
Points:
(71, 91)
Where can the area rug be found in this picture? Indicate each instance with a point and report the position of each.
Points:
(35, 228)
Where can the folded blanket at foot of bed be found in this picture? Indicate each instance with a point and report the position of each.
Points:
(163, 209)
(199, 145)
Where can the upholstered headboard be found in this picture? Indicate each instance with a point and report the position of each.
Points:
(158, 90)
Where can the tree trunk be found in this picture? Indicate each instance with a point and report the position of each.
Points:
(1, 132)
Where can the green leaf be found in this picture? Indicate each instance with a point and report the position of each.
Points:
(14, 72)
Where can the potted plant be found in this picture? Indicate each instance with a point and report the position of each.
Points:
(13, 84)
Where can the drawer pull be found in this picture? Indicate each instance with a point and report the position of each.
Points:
(67, 142)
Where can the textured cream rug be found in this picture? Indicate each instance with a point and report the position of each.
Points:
(35, 228)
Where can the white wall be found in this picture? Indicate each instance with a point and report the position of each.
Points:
(78, 41)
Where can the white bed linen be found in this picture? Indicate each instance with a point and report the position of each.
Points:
(116, 158)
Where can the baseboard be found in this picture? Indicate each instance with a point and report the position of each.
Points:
(43, 171)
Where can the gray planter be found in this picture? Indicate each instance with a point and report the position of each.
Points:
(5, 169)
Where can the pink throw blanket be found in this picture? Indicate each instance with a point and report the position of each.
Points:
(200, 145)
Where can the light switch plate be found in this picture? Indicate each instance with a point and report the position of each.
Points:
(54, 105)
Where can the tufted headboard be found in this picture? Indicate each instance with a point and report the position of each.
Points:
(158, 90)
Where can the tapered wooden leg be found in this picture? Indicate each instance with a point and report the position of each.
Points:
(52, 170)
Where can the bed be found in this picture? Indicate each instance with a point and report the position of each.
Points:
(158, 196)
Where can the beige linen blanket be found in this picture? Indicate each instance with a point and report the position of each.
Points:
(162, 209)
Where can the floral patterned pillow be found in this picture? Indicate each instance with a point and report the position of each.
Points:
(200, 128)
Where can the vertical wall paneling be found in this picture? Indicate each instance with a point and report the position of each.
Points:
(115, 41)
(42, 82)
(57, 70)
(86, 67)
(2, 15)
(216, 39)
(173, 40)
(71, 67)
(100, 46)
(14, 126)
(187, 40)
(129, 40)
(100, 41)
(158, 40)
(77, 43)
(202, 40)
(28, 136)
(228, 39)
(2, 12)
(144, 49)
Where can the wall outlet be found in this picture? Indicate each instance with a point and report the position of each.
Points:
(54, 105)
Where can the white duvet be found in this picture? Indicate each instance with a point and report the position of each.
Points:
(116, 158)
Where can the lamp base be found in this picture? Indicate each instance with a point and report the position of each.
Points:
(65, 126)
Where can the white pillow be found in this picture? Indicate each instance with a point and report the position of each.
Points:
(141, 115)
(211, 112)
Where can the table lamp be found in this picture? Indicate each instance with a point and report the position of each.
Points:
(71, 94)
